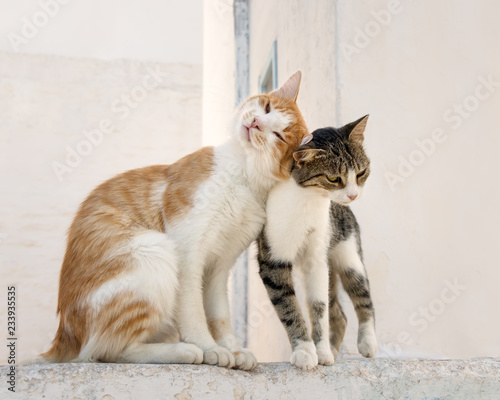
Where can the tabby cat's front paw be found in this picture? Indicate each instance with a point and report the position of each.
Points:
(304, 356)
(219, 356)
(367, 345)
(244, 359)
(325, 355)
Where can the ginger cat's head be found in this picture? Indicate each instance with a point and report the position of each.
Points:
(270, 127)
(334, 162)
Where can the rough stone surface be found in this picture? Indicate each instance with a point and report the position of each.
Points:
(351, 379)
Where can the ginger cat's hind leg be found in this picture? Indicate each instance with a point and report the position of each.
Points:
(161, 353)
(132, 299)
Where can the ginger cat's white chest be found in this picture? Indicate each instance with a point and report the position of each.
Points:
(226, 218)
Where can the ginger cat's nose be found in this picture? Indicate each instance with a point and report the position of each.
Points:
(255, 124)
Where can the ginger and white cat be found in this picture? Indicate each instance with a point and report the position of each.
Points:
(144, 277)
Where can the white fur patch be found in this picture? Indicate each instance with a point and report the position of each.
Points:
(345, 255)
(151, 274)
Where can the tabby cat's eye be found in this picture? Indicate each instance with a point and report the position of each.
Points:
(334, 179)
(268, 108)
(279, 136)
(361, 174)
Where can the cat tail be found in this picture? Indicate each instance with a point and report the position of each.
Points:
(64, 347)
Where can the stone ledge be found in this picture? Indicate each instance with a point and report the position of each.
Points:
(347, 379)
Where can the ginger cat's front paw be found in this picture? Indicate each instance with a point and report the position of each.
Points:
(190, 354)
(220, 356)
(244, 359)
(304, 356)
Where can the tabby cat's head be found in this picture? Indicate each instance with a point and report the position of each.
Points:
(270, 127)
(334, 161)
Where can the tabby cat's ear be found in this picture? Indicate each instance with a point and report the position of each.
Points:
(357, 129)
(290, 89)
(303, 156)
(306, 139)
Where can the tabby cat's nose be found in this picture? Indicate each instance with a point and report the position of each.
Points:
(353, 196)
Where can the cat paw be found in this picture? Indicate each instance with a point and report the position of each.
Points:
(367, 345)
(304, 356)
(325, 358)
(190, 354)
(244, 359)
(219, 356)
(325, 355)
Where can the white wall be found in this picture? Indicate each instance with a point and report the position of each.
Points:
(436, 228)
(151, 30)
(218, 70)
(79, 82)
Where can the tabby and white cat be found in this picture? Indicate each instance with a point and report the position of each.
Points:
(144, 277)
(310, 225)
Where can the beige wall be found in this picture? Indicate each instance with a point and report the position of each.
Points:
(218, 70)
(162, 31)
(430, 236)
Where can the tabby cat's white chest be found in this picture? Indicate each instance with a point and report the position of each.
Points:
(293, 213)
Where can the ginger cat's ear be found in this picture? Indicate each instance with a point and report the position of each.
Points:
(357, 129)
(290, 89)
